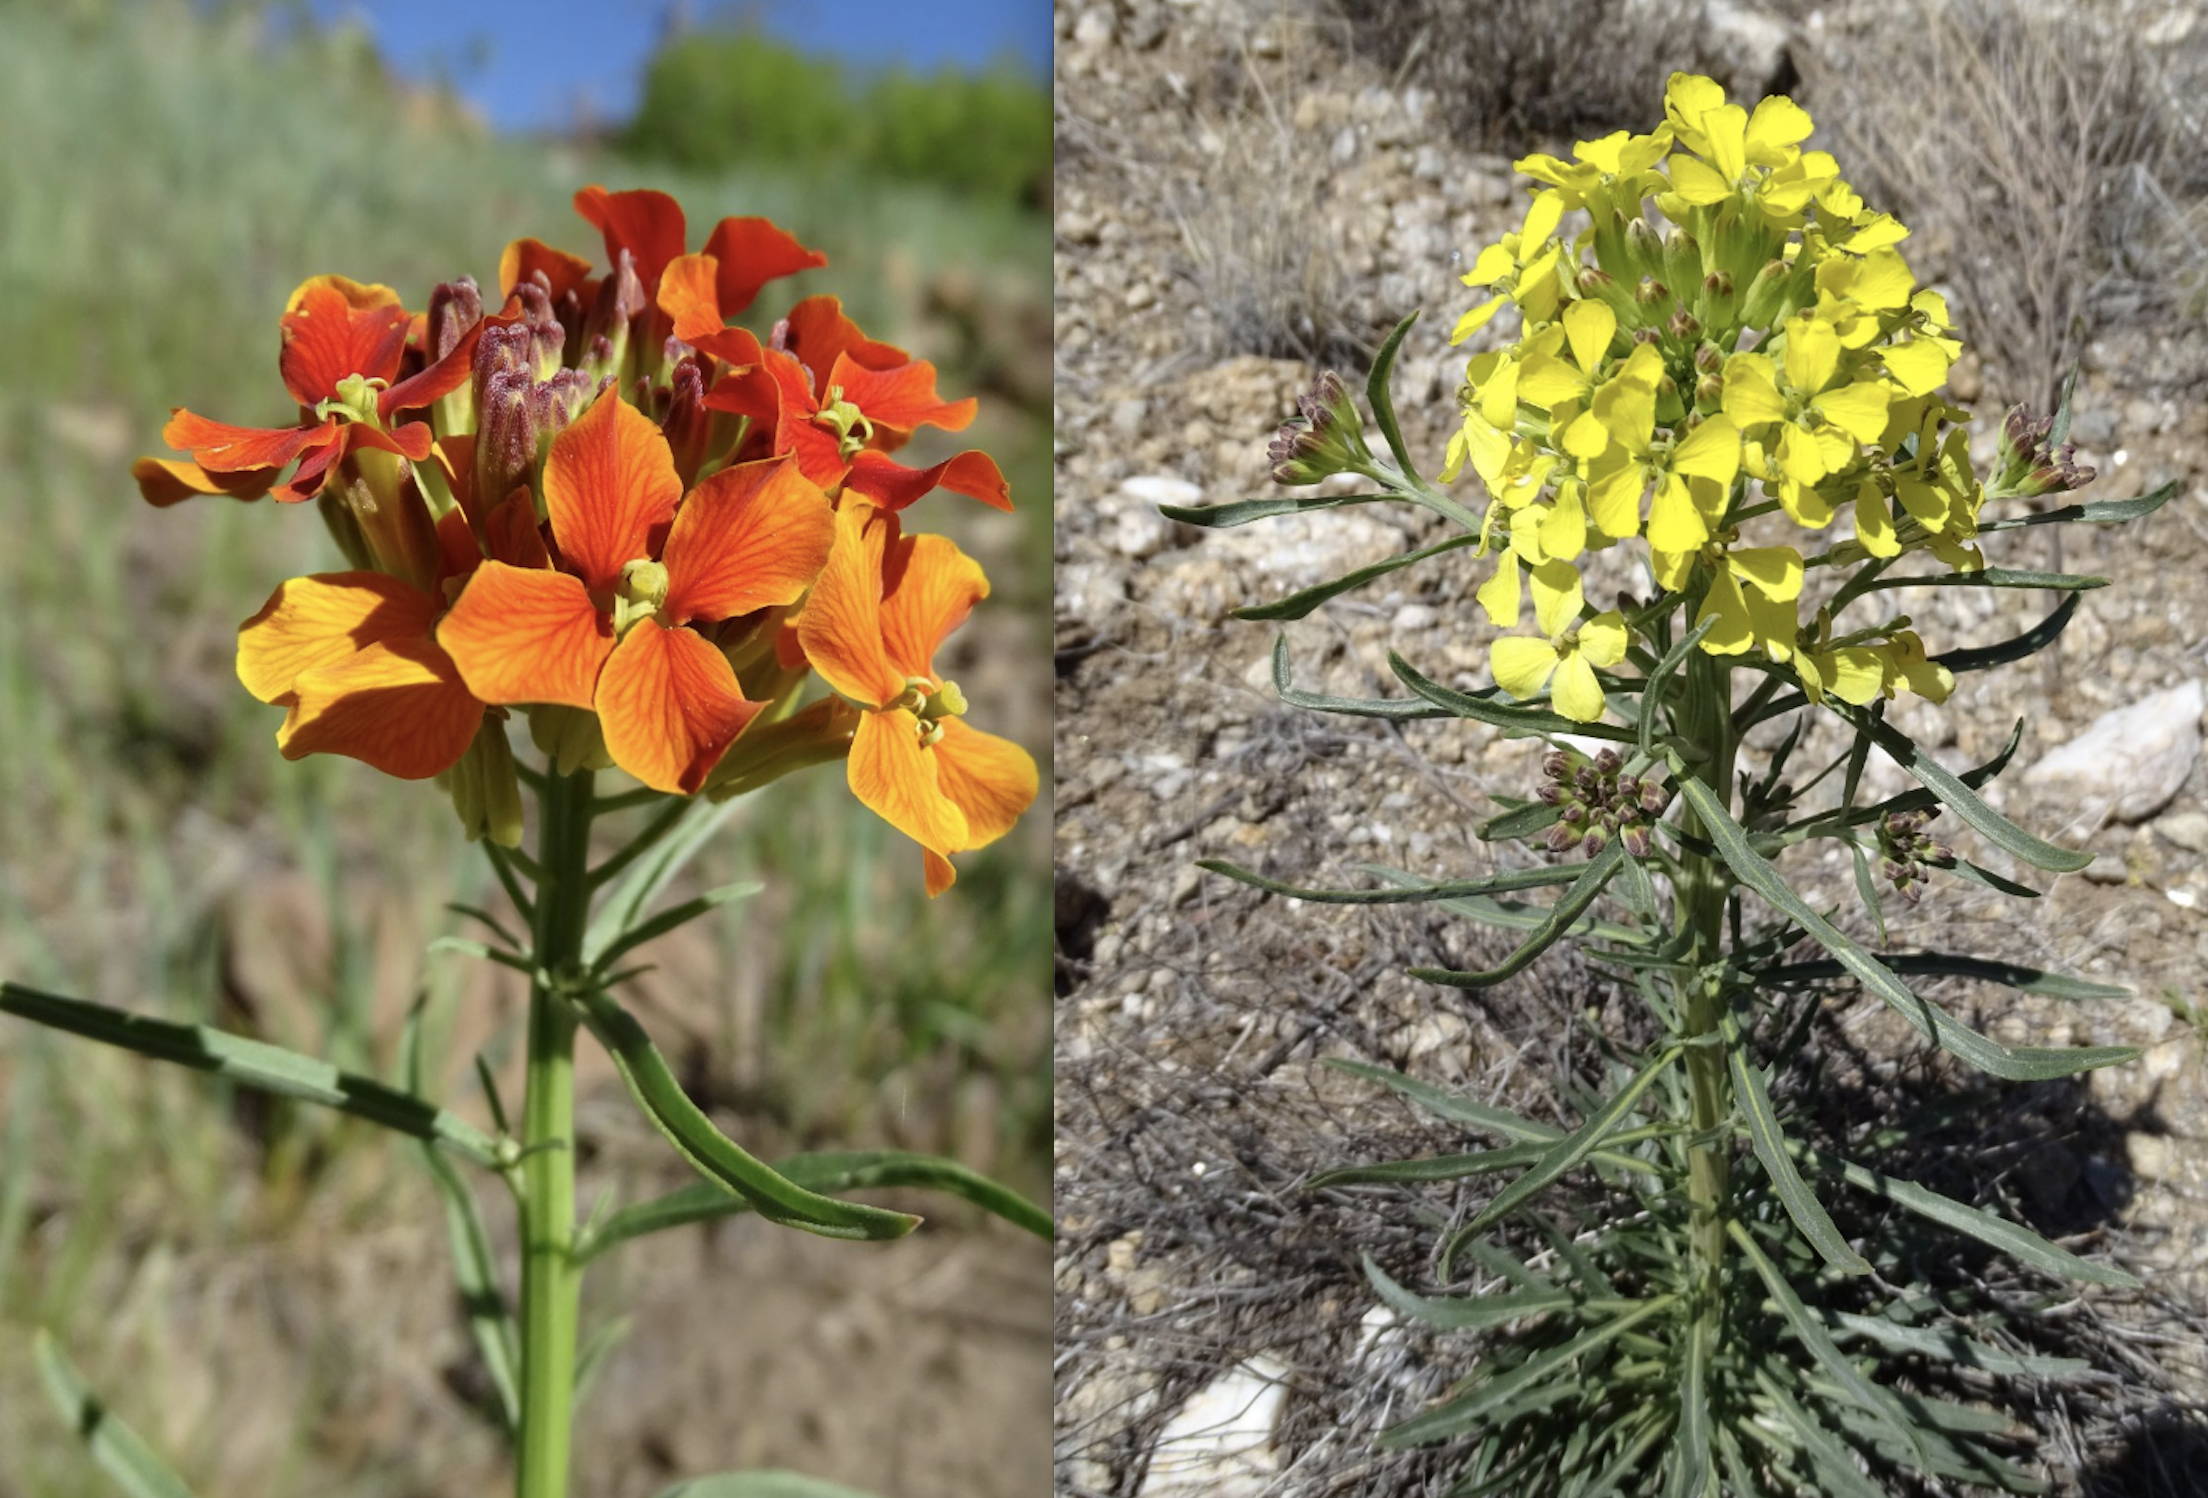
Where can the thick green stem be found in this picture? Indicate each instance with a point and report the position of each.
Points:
(551, 1280)
(1706, 721)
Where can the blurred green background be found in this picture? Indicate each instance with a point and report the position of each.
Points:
(168, 172)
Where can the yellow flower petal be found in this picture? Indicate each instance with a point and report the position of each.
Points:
(1476, 319)
(1522, 664)
(1602, 639)
(1499, 594)
(1777, 125)
(1727, 129)
(1564, 527)
(1751, 396)
(1614, 495)
(1812, 354)
(1697, 183)
(1674, 522)
(1884, 281)
(1800, 458)
(1542, 217)
(1495, 262)
(1589, 325)
(1874, 523)
(1499, 396)
(1919, 366)
(1586, 437)
(1577, 694)
(1858, 410)
(1556, 597)
(1732, 633)
(1775, 570)
(1710, 451)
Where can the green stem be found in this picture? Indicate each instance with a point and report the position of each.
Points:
(551, 1280)
(1700, 893)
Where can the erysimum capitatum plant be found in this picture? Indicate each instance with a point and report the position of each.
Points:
(675, 546)
(1725, 375)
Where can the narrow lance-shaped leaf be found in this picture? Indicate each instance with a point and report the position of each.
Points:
(1569, 907)
(1769, 1139)
(2016, 648)
(1400, 709)
(1690, 1473)
(1508, 717)
(1243, 511)
(1508, 915)
(1428, 1168)
(1512, 879)
(1652, 694)
(255, 1064)
(1953, 965)
(1382, 400)
(1965, 802)
(1459, 1109)
(650, 872)
(715, 1155)
(1990, 577)
(2020, 1064)
(1299, 604)
(120, 1451)
(2093, 512)
(825, 1171)
(1462, 1313)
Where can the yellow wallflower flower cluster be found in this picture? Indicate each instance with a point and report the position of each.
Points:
(1767, 349)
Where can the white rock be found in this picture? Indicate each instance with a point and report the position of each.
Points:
(1095, 28)
(1748, 46)
(1140, 533)
(2133, 759)
(1220, 1443)
(1156, 489)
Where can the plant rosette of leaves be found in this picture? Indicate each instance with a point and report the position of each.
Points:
(675, 547)
(1721, 353)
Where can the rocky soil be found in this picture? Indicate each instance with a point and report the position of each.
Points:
(1225, 168)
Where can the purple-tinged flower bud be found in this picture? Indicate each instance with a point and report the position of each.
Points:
(1551, 795)
(1607, 762)
(621, 301)
(688, 425)
(2027, 462)
(454, 307)
(1594, 842)
(1560, 837)
(1574, 815)
(1327, 438)
(1684, 325)
(1636, 840)
(1651, 292)
(1555, 763)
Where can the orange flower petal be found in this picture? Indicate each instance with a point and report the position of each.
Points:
(647, 224)
(164, 481)
(841, 627)
(896, 779)
(819, 334)
(457, 554)
(687, 294)
(313, 472)
(930, 588)
(334, 327)
(524, 257)
(751, 252)
(670, 707)
(222, 448)
(312, 622)
(413, 441)
(902, 398)
(510, 532)
(527, 636)
(893, 486)
(439, 379)
(941, 876)
(991, 780)
(397, 705)
(611, 488)
(749, 537)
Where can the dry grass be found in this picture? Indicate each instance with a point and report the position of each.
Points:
(2046, 157)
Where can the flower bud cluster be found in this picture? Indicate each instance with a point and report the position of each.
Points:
(1328, 438)
(1596, 802)
(2029, 463)
(1909, 854)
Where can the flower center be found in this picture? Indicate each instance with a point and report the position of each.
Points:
(853, 431)
(931, 704)
(639, 594)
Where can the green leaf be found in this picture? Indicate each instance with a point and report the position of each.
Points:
(255, 1064)
(649, 863)
(121, 1453)
(669, 920)
(1243, 511)
(1409, 894)
(1449, 1105)
(1428, 1168)
(2019, 1243)
(1990, 577)
(1953, 965)
(1509, 915)
(2029, 643)
(474, 1264)
(1400, 709)
(1971, 873)
(824, 1171)
(1465, 1411)
(1812, 1335)
(1569, 907)
(1867, 888)
(1953, 1347)
(1770, 1145)
(1513, 720)
(1653, 692)
(1690, 1476)
(1834, 1460)
(2097, 512)
(714, 1154)
(1935, 1023)
(2058, 428)
(1566, 1152)
(1460, 1313)
(1519, 822)
(1383, 402)
(1964, 801)
(1297, 605)
(766, 1484)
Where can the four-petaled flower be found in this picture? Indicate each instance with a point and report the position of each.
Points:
(1570, 654)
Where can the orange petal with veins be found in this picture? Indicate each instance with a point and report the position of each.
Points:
(164, 481)
(749, 537)
(521, 635)
(222, 448)
(819, 334)
(525, 257)
(750, 253)
(610, 487)
(312, 622)
(687, 295)
(893, 486)
(931, 586)
(397, 705)
(941, 876)
(841, 627)
(991, 780)
(333, 328)
(670, 707)
(647, 224)
(510, 532)
(902, 398)
(896, 779)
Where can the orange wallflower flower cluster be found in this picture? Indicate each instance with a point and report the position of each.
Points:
(605, 505)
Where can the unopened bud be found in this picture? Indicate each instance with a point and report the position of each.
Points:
(454, 307)
(1327, 438)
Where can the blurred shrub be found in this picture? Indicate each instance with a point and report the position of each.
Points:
(721, 100)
